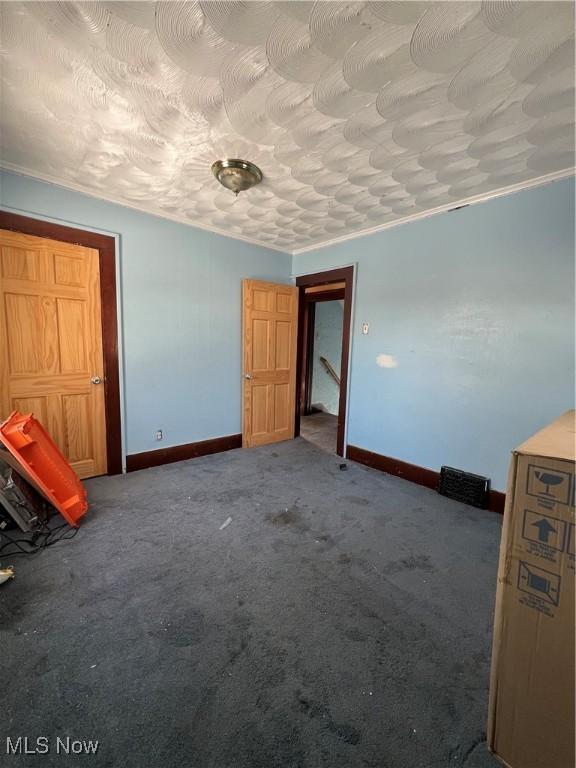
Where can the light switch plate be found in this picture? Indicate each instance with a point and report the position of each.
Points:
(365, 328)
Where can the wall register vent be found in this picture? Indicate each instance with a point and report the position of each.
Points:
(464, 486)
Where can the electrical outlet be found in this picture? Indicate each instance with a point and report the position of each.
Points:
(365, 328)
(159, 434)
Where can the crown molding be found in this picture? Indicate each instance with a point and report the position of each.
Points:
(536, 182)
(11, 168)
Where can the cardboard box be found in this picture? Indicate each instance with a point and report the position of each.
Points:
(531, 716)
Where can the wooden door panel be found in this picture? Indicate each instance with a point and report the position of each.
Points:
(20, 264)
(72, 336)
(260, 345)
(31, 318)
(55, 422)
(51, 343)
(282, 415)
(36, 405)
(270, 319)
(262, 300)
(283, 346)
(70, 270)
(259, 399)
(77, 427)
(285, 303)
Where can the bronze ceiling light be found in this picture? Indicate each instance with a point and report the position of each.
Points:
(237, 175)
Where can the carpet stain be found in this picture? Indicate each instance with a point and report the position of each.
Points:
(242, 620)
(343, 731)
(359, 501)
(41, 667)
(234, 495)
(289, 516)
(410, 563)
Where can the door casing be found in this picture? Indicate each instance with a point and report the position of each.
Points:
(106, 247)
(305, 328)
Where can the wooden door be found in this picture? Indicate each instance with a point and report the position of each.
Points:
(270, 320)
(51, 361)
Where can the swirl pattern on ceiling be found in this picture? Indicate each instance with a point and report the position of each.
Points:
(358, 113)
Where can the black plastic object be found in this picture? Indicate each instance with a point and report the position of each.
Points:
(464, 486)
(20, 504)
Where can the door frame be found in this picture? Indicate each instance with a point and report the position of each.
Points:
(306, 342)
(311, 299)
(106, 247)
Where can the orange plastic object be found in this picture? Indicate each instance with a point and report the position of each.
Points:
(34, 449)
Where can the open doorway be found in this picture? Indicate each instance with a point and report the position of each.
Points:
(325, 302)
(319, 416)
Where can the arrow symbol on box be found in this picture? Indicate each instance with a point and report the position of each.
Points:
(544, 530)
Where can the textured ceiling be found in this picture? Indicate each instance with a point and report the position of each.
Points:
(359, 114)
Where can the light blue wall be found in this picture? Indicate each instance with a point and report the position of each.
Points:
(328, 344)
(477, 308)
(181, 308)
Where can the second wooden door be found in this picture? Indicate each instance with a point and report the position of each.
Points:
(270, 319)
(51, 361)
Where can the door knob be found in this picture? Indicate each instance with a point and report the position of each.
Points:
(96, 380)
(247, 375)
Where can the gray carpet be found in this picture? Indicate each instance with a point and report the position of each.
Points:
(320, 429)
(341, 620)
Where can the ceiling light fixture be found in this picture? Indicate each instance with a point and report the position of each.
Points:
(237, 175)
